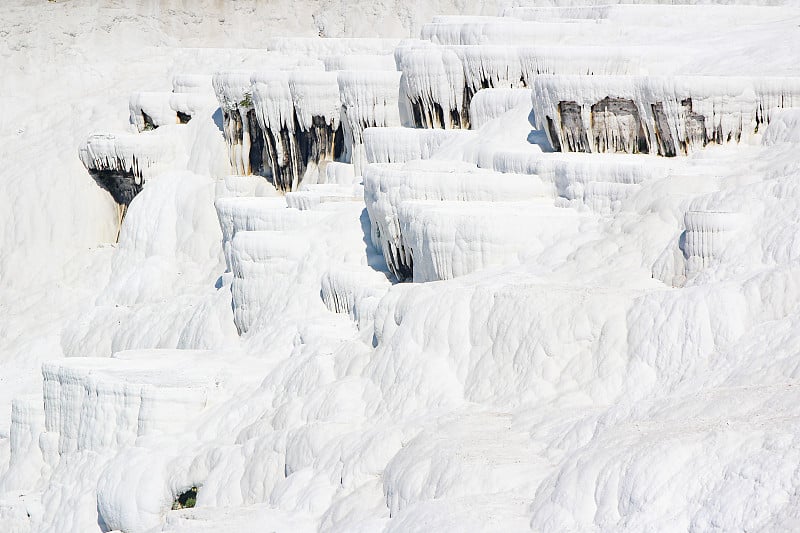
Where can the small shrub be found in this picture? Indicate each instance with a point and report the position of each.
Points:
(185, 500)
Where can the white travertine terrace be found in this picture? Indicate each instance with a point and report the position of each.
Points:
(122, 162)
(488, 104)
(125, 397)
(528, 272)
(398, 145)
(387, 187)
(369, 99)
(707, 233)
(656, 114)
(150, 110)
(360, 62)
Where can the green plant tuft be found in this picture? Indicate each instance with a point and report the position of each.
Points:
(185, 500)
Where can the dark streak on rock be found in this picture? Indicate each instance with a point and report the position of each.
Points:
(695, 127)
(122, 185)
(664, 139)
(289, 152)
(617, 127)
(552, 133)
(572, 128)
(256, 155)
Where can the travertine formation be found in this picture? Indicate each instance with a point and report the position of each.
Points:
(533, 271)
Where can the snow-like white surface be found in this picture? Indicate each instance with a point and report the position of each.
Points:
(451, 239)
(310, 196)
(488, 104)
(582, 341)
(319, 47)
(360, 62)
(130, 395)
(154, 105)
(192, 103)
(785, 127)
(398, 145)
(276, 270)
(387, 187)
(256, 213)
(339, 173)
(315, 94)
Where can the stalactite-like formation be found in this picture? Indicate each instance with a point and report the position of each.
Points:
(663, 115)
(434, 85)
(235, 100)
(707, 233)
(121, 163)
(616, 124)
(280, 125)
(388, 186)
(369, 99)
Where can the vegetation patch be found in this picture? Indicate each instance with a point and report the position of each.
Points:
(185, 500)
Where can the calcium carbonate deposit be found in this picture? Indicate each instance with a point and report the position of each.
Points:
(448, 266)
